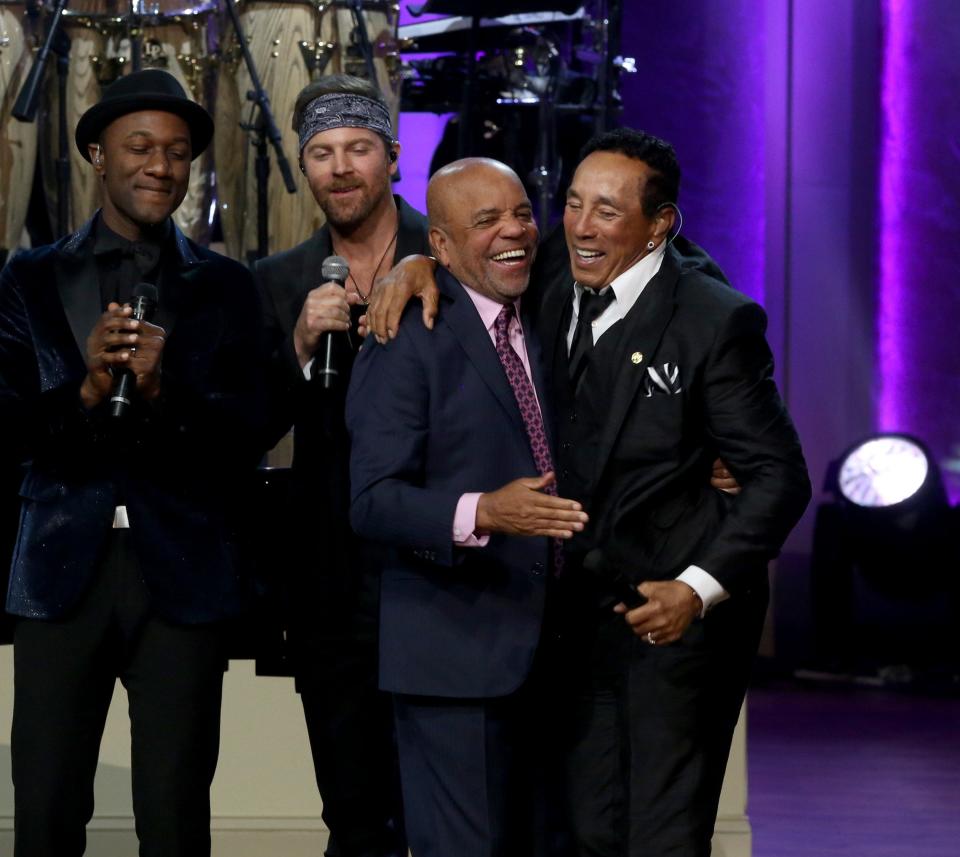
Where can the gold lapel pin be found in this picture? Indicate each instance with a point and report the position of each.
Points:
(636, 358)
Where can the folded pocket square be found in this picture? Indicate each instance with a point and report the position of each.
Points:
(663, 380)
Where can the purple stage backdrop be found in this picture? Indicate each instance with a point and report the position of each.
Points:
(717, 79)
(700, 85)
(918, 330)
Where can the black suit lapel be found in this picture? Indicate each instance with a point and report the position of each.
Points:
(319, 248)
(461, 316)
(553, 308)
(640, 337)
(177, 281)
(79, 289)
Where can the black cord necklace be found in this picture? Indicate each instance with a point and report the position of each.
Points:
(365, 298)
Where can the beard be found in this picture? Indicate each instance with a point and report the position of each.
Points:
(348, 214)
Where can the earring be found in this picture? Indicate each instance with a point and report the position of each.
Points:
(650, 245)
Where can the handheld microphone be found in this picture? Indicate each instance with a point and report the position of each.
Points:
(597, 564)
(335, 269)
(144, 305)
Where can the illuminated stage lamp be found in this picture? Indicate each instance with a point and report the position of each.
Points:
(892, 503)
(887, 470)
(890, 525)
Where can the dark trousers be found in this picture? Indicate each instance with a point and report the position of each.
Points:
(64, 677)
(350, 726)
(334, 638)
(650, 731)
(481, 776)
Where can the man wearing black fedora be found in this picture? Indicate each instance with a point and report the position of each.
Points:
(126, 563)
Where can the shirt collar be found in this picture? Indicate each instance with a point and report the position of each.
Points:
(488, 308)
(629, 285)
(105, 240)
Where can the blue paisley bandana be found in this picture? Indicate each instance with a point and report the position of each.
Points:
(344, 110)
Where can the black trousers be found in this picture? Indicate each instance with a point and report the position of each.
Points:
(350, 726)
(349, 720)
(649, 732)
(65, 673)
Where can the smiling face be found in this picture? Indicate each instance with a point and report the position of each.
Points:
(349, 172)
(606, 229)
(144, 164)
(482, 227)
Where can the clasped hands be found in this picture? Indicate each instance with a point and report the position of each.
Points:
(119, 341)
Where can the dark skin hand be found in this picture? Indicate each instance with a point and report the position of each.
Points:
(671, 607)
(119, 341)
(520, 508)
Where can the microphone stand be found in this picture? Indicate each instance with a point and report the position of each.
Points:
(266, 130)
(28, 99)
(545, 175)
(363, 39)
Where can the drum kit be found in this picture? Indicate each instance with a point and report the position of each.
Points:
(246, 61)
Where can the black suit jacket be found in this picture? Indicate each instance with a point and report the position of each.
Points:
(432, 416)
(177, 464)
(321, 578)
(648, 494)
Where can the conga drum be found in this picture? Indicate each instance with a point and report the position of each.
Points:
(292, 43)
(18, 140)
(180, 39)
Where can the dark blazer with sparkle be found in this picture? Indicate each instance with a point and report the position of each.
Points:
(176, 464)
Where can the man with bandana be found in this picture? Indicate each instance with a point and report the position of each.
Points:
(348, 152)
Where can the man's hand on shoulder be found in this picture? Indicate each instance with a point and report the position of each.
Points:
(520, 508)
(412, 276)
(671, 606)
(326, 309)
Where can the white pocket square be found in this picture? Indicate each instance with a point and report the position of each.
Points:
(663, 380)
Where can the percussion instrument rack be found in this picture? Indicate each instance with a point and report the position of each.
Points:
(25, 107)
(469, 38)
(265, 128)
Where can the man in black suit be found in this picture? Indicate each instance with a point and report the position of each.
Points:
(126, 563)
(349, 155)
(657, 367)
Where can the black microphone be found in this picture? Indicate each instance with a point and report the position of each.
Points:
(335, 269)
(144, 305)
(597, 564)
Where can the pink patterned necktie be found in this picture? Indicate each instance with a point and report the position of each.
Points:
(526, 398)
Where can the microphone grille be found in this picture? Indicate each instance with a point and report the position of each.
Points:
(145, 290)
(335, 268)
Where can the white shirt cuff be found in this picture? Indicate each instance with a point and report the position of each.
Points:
(705, 585)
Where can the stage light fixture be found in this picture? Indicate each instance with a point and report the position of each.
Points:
(884, 471)
(889, 525)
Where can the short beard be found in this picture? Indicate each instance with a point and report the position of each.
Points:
(358, 216)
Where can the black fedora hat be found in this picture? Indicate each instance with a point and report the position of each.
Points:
(150, 89)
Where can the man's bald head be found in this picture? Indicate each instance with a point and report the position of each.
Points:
(448, 183)
(482, 227)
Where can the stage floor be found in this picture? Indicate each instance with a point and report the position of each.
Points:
(853, 772)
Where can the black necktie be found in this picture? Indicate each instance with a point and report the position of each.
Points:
(592, 305)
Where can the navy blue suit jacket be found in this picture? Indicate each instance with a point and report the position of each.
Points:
(186, 456)
(431, 417)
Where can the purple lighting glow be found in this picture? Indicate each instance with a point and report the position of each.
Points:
(919, 217)
(894, 198)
